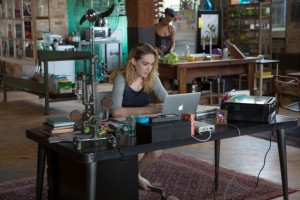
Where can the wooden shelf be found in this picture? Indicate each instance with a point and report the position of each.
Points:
(18, 31)
(252, 33)
(62, 97)
(41, 87)
(42, 17)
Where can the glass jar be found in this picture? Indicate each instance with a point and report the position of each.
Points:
(187, 52)
(131, 123)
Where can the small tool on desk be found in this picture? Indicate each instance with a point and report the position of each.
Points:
(107, 103)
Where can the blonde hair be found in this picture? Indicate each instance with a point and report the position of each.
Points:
(128, 70)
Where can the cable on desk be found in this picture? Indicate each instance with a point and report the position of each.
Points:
(210, 133)
(121, 153)
(235, 127)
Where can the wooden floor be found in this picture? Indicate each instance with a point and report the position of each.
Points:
(18, 154)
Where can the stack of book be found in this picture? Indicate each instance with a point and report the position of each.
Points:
(58, 125)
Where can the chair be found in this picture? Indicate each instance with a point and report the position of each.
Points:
(287, 91)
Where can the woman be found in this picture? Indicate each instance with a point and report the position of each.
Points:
(165, 33)
(133, 85)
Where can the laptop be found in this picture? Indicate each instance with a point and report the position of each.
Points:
(181, 103)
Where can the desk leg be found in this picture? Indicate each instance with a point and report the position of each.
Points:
(283, 161)
(182, 79)
(46, 82)
(40, 171)
(3, 82)
(217, 162)
(250, 79)
(166, 84)
(261, 71)
(91, 175)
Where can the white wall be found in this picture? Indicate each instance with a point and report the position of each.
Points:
(172, 4)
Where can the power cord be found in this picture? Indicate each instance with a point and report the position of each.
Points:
(265, 158)
(264, 163)
(199, 140)
(235, 172)
(121, 153)
(210, 133)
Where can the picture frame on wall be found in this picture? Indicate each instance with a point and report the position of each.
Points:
(208, 22)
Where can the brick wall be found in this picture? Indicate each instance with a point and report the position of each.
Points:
(58, 18)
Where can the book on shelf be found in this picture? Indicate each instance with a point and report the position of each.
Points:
(59, 121)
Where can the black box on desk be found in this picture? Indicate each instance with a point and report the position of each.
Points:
(250, 108)
(155, 132)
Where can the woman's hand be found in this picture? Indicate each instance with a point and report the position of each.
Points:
(155, 108)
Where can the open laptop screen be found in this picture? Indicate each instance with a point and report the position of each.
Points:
(181, 103)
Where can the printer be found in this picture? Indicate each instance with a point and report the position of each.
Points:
(250, 108)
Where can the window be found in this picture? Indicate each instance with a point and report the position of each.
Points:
(278, 13)
(174, 4)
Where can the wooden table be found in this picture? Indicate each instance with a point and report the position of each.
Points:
(188, 71)
(100, 172)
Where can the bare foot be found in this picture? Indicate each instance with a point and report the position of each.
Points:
(144, 183)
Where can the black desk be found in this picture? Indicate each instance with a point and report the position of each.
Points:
(71, 173)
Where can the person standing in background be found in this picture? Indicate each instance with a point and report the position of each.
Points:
(165, 33)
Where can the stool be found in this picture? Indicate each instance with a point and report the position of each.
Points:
(259, 73)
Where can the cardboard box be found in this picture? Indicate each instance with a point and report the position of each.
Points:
(59, 85)
(65, 87)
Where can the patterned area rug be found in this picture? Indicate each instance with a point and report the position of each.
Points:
(22, 189)
(188, 178)
(181, 176)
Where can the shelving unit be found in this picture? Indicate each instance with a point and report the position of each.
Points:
(249, 27)
(41, 88)
(18, 29)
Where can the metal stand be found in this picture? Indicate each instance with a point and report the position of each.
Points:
(89, 100)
